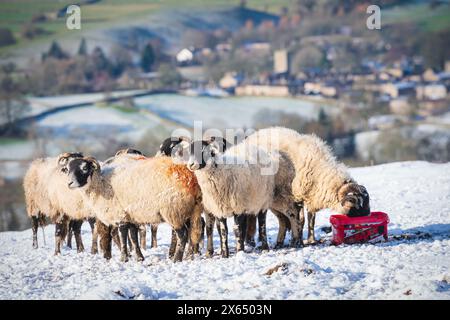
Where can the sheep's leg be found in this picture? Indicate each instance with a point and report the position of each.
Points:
(134, 229)
(34, 227)
(296, 239)
(115, 236)
(239, 230)
(209, 221)
(262, 231)
(154, 230)
(104, 232)
(311, 224)
(69, 234)
(301, 223)
(282, 222)
(251, 230)
(143, 236)
(94, 246)
(223, 232)
(123, 232)
(173, 244)
(182, 237)
(60, 233)
(77, 232)
(130, 244)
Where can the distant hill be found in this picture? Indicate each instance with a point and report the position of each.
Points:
(169, 24)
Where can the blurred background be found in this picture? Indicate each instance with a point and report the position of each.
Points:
(138, 69)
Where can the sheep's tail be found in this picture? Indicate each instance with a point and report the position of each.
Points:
(196, 226)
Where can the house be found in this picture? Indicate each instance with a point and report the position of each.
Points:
(262, 90)
(430, 76)
(185, 56)
(401, 106)
(395, 90)
(329, 91)
(281, 62)
(230, 80)
(433, 91)
(432, 108)
(312, 88)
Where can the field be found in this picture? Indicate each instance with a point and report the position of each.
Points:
(415, 268)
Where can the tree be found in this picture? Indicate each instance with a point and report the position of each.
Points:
(82, 49)
(307, 57)
(55, 52)
(12, 103)
(169, 77)
(6, 37)
(147, 58)
(436, 47)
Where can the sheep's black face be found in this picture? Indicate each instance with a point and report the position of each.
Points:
(65, 158)
(201, 153)
(170, 146)
(79, 172)
(355, 200)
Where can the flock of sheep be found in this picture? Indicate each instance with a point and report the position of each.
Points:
(275, 168)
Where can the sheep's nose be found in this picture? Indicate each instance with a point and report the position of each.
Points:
(70, 184)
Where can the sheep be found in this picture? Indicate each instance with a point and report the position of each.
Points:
(121, 157)
(283, 205)
(40, 197)
(233, 184)
(320, 180)
(152, 190)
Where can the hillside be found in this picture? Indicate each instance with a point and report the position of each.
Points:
(416, 195)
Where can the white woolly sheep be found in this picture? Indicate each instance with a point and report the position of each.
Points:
(320, 180)
(42, 192)
(233, 183)
(151, 191)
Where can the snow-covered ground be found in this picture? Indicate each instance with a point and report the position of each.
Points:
(233, 112)
(416, 195)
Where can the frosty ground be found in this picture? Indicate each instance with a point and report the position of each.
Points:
(416, 195)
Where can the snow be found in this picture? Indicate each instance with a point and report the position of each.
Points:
(416, 195)
(233, 112)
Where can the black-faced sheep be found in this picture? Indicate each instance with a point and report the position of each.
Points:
(45, 197)
(234, 183)
(320, 180)
(151, 191)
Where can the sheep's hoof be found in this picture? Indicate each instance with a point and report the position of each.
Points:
(311, 241)
(35, 246)
(209, 253)
(279, 245)
(264, 247)
(251, 243)
(225, 254)
(296, 244)
(107, 256)
(124, 258)
(94, 251)
(80, 250)
(140, 258)
(57, 253)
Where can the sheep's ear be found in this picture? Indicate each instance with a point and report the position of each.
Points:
(94, 163)
(63, 158)
(185, 139)
(214, 147)
(121, 151)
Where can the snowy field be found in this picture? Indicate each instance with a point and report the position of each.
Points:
(416, 195)
(233, 112)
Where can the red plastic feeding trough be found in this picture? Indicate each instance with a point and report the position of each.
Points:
(349, 230)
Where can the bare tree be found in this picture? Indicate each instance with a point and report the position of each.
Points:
(12, 103)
